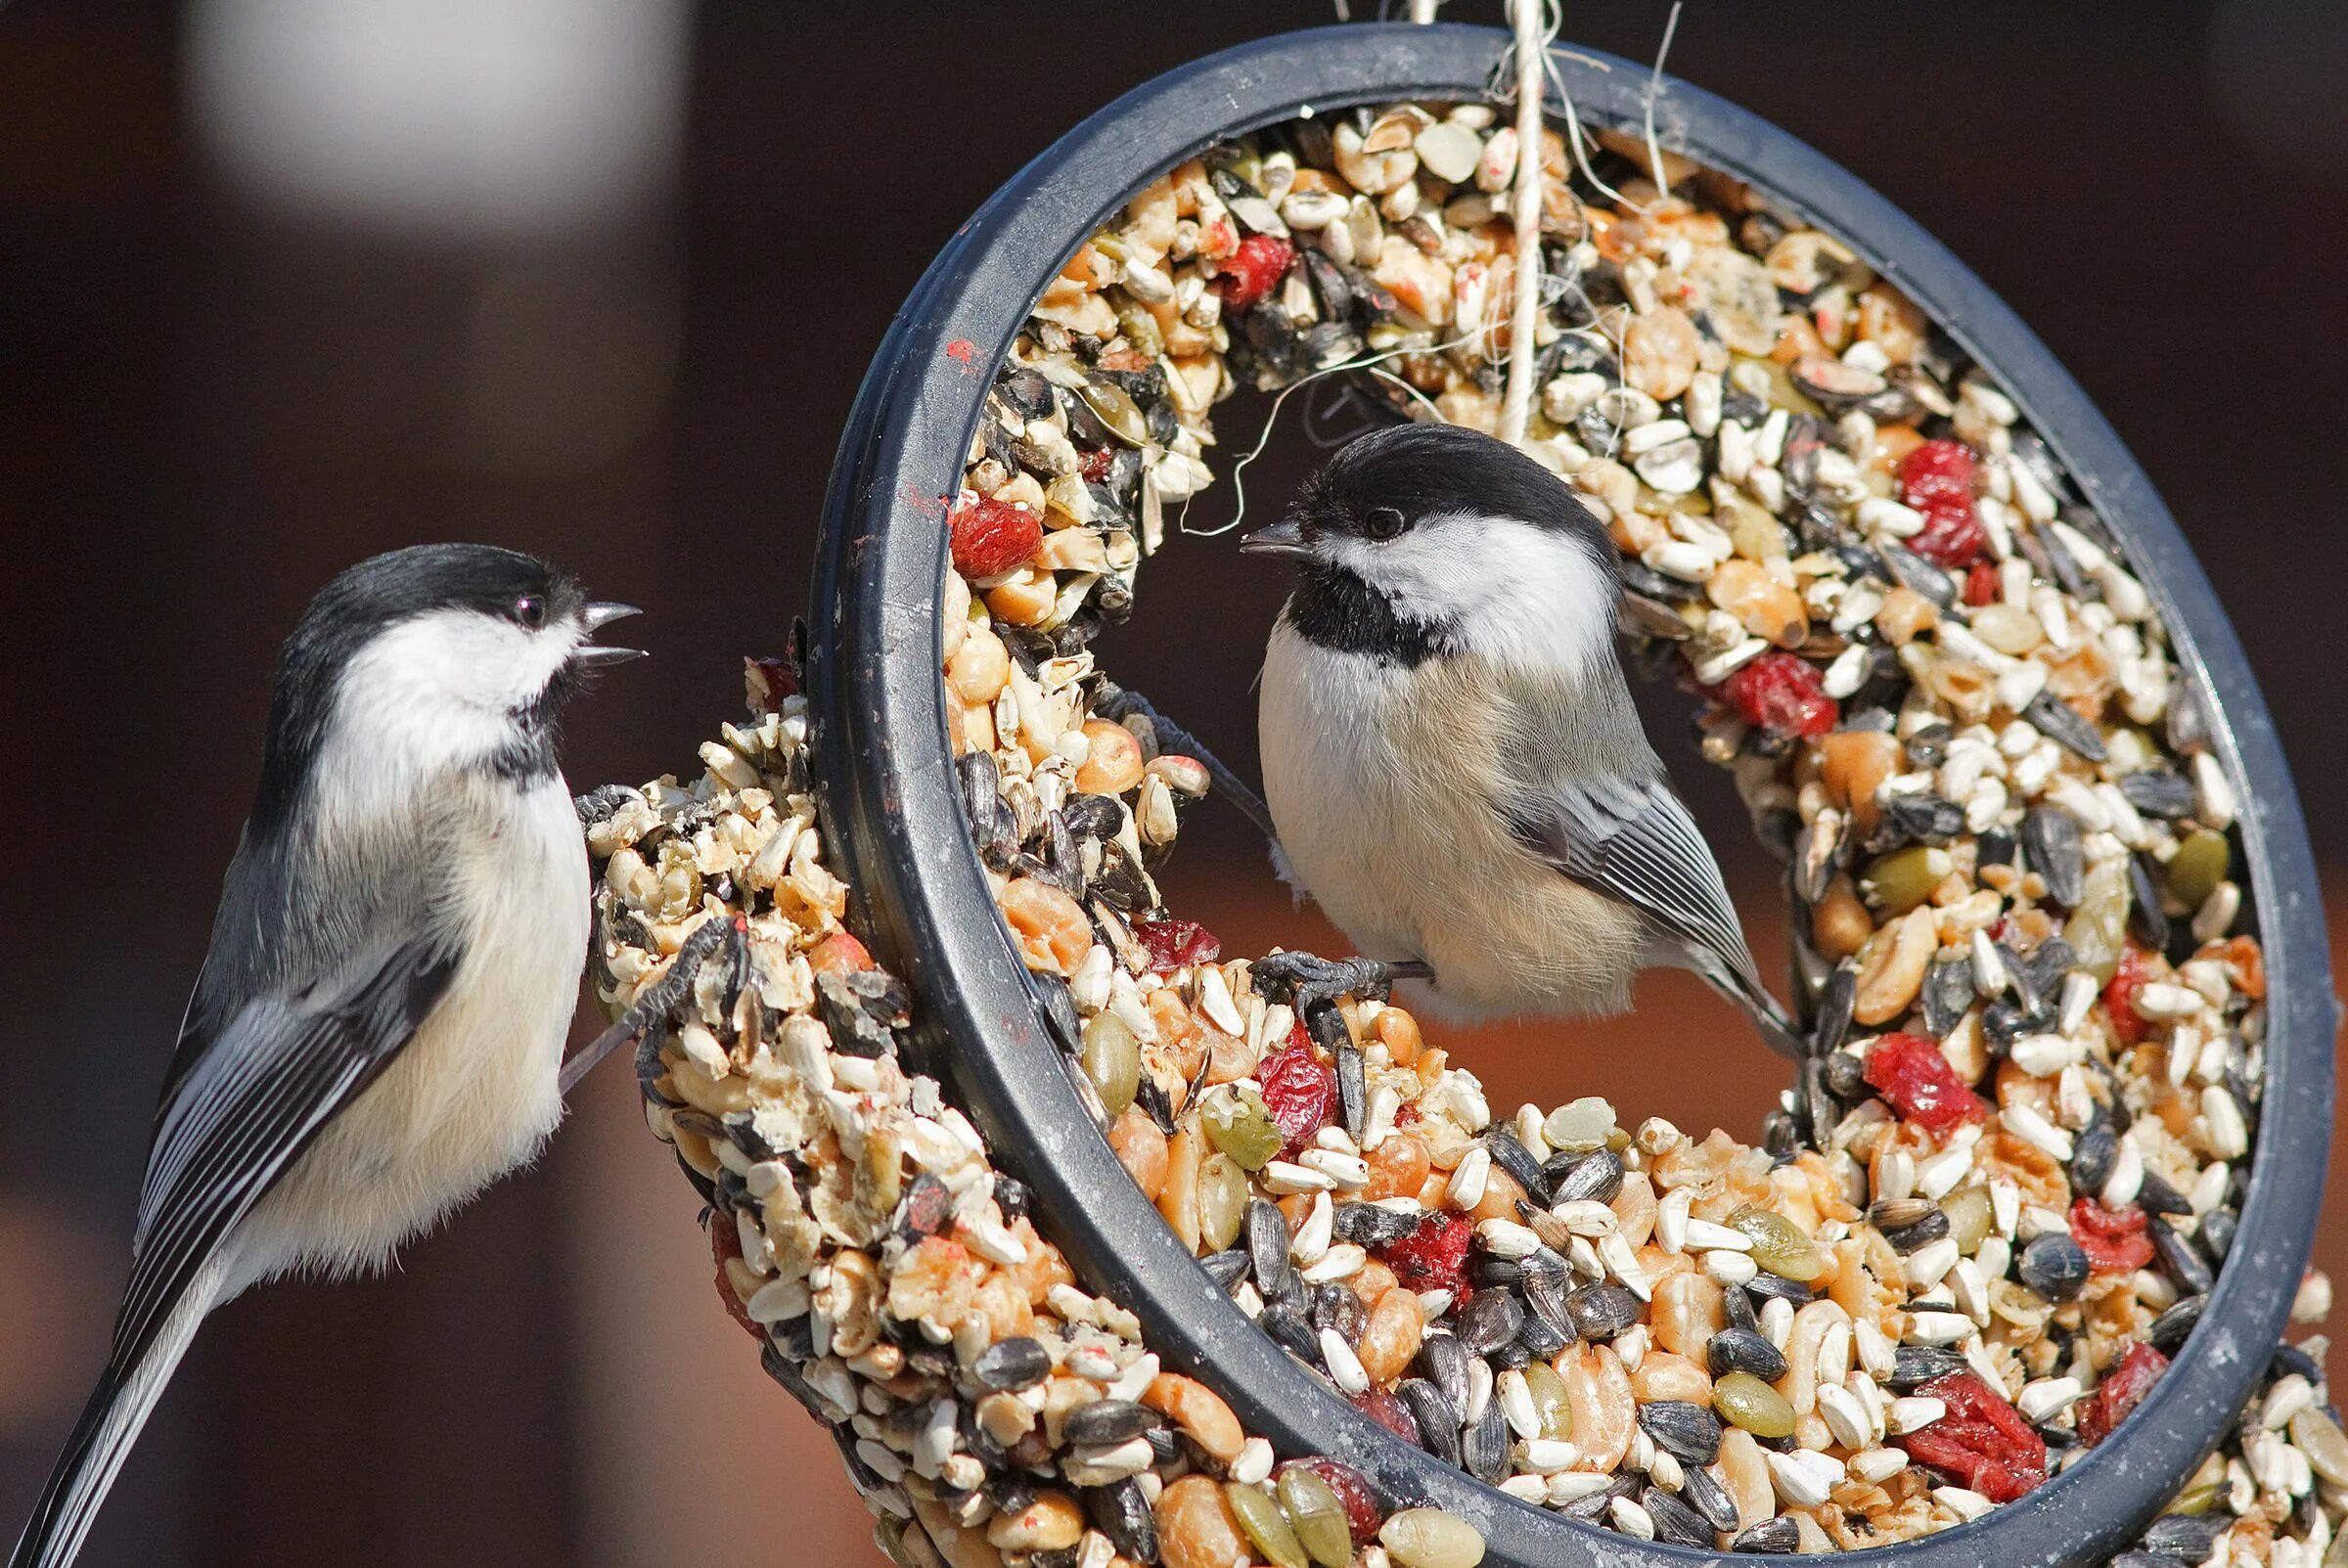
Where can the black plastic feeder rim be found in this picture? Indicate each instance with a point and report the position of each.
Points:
(894, 811)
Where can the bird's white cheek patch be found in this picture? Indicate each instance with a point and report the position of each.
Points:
(430, 696)
(1518, 593)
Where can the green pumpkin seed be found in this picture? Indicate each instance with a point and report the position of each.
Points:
(1778, 1244)
(1112, 1061)
(1549, 1402)
(2099, 929)
(1117, 411)
(2197, 867)
(1140, 331)
(1899, 881)
(1318, 1516)
(1967, 1209)
(2197, 1500)
(1743, 1400)
(1222, 1202)
(2320, 1438)
(1238, 1124)
(1265, 1525)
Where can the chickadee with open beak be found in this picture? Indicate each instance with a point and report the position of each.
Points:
(378, 1029)
(1451, 758)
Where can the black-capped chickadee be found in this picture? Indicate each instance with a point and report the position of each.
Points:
(1452, 760)
(378, 1028)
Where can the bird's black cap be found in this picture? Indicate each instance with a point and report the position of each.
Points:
(359, 603)
(1418, 470)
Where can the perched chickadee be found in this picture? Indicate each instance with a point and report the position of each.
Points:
(1451, 758)
(378, 1028)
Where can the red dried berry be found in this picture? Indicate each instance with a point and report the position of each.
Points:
(1392, 1414)
(1363, 1515)
(1783, 693)
(725, 1245)
(1980, 583)
(1172, 944)
(768, 681)
(1253, 269)
(990, 537)
(2119, 997)
(2113, 1239)
(1093, 462)
(1982, 1441)
(1937, 479)
(1298, 1091)
(1917, 1081)
(1433, 1257)
(2122, 1390)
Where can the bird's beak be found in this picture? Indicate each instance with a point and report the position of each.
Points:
(595, 617)
(1285, 539)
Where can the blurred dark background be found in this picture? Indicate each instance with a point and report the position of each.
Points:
(284, 283)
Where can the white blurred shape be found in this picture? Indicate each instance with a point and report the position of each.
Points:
(496, 118)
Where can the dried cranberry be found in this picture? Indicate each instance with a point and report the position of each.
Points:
(2113, 1239)
(1982, 1440)
(1389, 1413)
(1980, 583)
(1937, 481)
(1094, 462)
(768, 682)
(1298, 1091)
(725, 1245)
(2122, 1390)
(1363, 1515)
(1915, 1079)
(1433, 1257)
(990, 537)
(1173, 944)
(1253, 269)
(1783, 693)
(2119, 997)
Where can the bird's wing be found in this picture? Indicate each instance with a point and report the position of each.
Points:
(246, 1096)
(1615, 827)
(249, 1098)
(1633, 841)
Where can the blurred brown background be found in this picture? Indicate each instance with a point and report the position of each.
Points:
(284, 283)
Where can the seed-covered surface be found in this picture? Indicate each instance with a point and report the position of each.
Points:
(990, 1409)
(2036, 1011)
(1965, 1246)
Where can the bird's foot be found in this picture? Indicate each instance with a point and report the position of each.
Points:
(658, 1000)
(1304, 980)
(1118, 704)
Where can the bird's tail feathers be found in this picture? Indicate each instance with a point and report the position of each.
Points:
(110, 1424)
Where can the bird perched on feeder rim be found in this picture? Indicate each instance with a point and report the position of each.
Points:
(377, 1030)
(1452, 760)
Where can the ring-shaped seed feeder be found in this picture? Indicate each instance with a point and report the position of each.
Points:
(894, 810)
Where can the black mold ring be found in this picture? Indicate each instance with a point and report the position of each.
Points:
(894, 809)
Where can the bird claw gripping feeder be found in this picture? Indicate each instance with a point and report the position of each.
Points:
(2060, 953)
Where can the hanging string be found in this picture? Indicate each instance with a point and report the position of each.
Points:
(1517, 403)
(1654, 85)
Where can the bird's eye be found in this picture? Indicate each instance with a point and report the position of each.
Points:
(1382, 522)
(530, 611)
